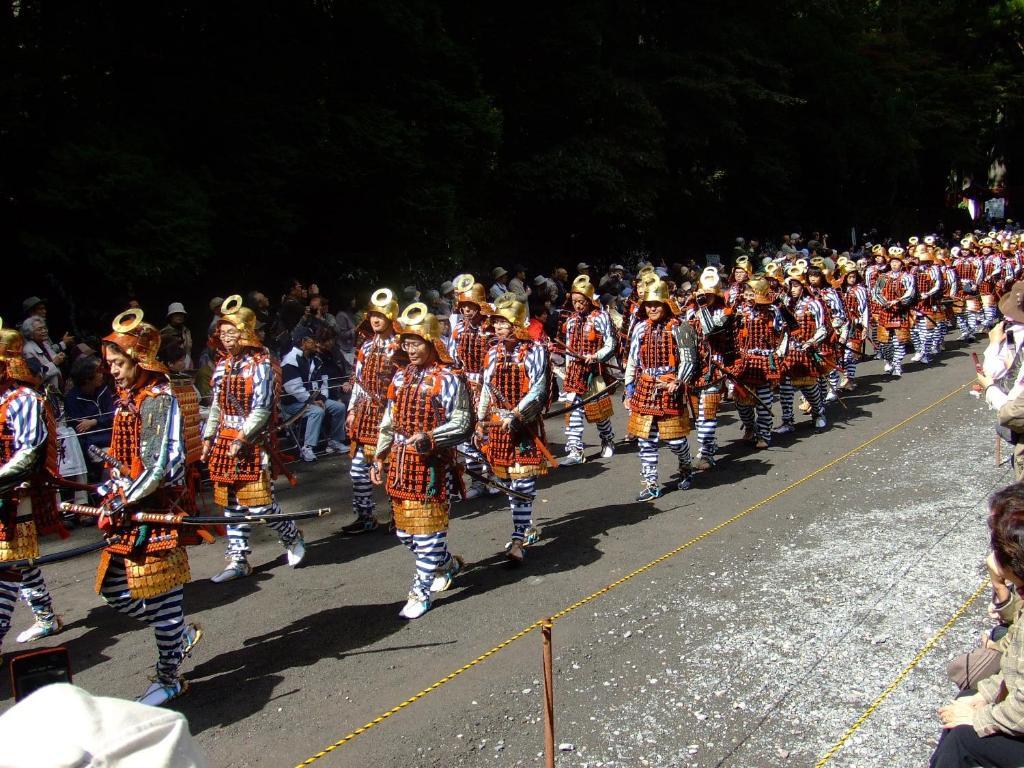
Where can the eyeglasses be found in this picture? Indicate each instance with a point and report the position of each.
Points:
(230, 334)
(409, 344)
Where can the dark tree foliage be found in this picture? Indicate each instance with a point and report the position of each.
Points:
(147, 143)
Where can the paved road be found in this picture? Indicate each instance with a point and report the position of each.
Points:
(757, 645)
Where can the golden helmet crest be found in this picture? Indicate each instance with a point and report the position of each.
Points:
(966, 243)
(468, 290)
(242, 319)
(774, 271)
(709, 282)
(878, 250)
(656, 292)
(803, 264)
(13, 364)
(760, 289)
(819, 262)
(138, 340)
(583, 286)
(846, 268)
(912, 241)
(416, 320)
(986, 242)
(743, 262)
(921, 253)
(929, 240)
(844, 259)
(382, 301)
(896, 252)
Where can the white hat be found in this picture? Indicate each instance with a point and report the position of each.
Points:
(94, 731)
(539, 280)
(498, 272)
(176, 308)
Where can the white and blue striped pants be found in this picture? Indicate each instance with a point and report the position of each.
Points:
(707, 427)
(163, 612)
(574, 429)
(813, 394)
(33, 591)
(238, 533)
(522, 511)
(680, 446)
(431, 551)
(763, 426)
(362, 488)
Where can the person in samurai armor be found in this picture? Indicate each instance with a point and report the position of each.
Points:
(632, 313)
(510, 415)
(855, 299)
(589, 341)
(971, 272)
(144, 567)
(806, 358)
(819, 286)
(894, 293)
(712, 326)
(879, 266)
(661, 362)
(237, 438)
(928, 312)
(989, 289)
(467, 345)
(760, 330)
(376, 362)
(428, 413)
(28, 504)
(950, 292)
(741, 272)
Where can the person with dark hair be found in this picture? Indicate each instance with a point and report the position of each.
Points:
(89, 409)
(987, 727)
(304, 386)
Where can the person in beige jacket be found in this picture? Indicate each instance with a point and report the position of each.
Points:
(987, 727)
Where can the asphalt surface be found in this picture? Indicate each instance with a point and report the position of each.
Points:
(755, 646)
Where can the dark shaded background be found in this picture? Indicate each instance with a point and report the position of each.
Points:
(178, 150)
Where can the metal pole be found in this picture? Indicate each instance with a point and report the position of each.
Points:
(549, 698)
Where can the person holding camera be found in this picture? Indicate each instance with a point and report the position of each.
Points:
(1000, 374)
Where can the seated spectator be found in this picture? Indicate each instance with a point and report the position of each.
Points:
(89, 409)
(335, 367)
(37, 347)
(305, 388)
(176, 330)
(987, 727)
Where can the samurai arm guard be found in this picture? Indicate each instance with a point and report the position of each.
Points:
(631, 359)
(532, 404)
(262, 401)
(457, 429)
(610, 343)
(158, 415)
(20, 467)
(213, 419)
(686, 343)
(386, 433)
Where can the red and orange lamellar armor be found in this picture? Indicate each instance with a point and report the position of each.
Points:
(234, 396)
(892, 289)
(801, 365)
(377, 366)
(930, 307)
(513, 453)
(756, 343)
(657, 350)
(417, 482)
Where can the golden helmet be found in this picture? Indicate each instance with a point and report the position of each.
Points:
(843, 259)
(647, 269)
(584, 287)
(986, 242)
(895, 252)
(709, 282)
(819, 262)
(656, 292)
(846, 268)
(513, 310)
(242, 318)
(138, 340)
(929, 240)
(382, 301)
(774, 271)
(803, 264)
(912, 241)
(878, 250)
(743, 262)
(416, 320)
(796, 273)
(966, 243)
(992, 234)
(468, 290)
(921, 253)
(759, 287)
(13, 364)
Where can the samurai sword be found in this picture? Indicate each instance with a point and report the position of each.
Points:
(57, 557)
(171, 519)
(100, 455)
(743, 388)
(492, 483)
(588, 399)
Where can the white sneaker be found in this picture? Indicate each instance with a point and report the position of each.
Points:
(415, 607)
(607, 449)
(162, 690)
(476, 490)
(831, 396)
(887, 368)
(443, 580)
(42, 628)
(306, 454)
(295, 551)
(917, 357)
(333, 446)
(820, 423)
(572, 457)
(784, 429)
